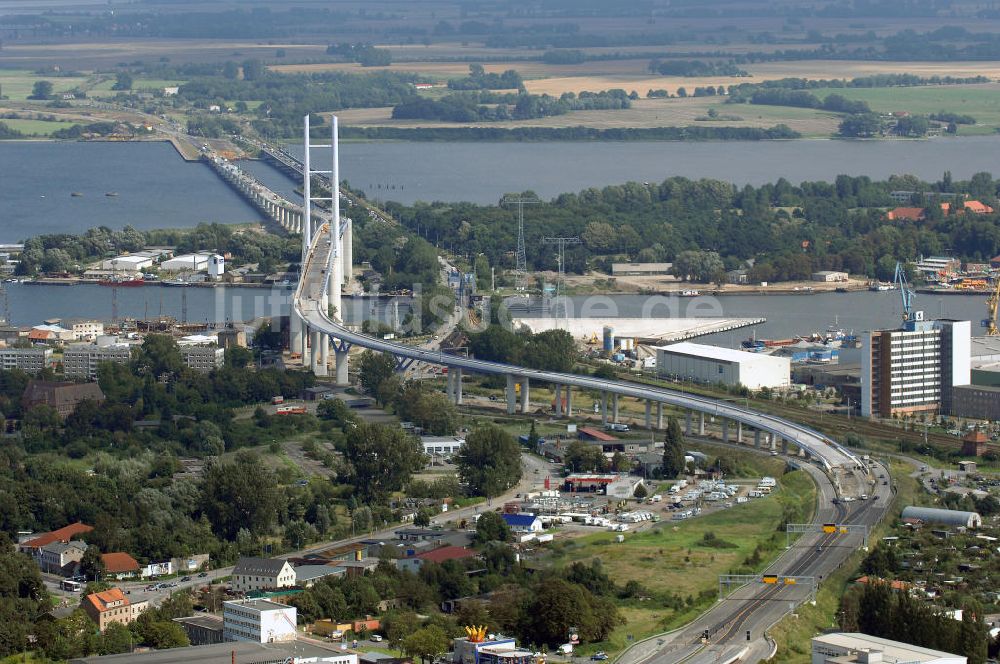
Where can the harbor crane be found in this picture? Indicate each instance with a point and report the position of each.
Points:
(899, 280)
(992, 329)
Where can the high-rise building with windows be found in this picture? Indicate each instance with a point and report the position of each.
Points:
(914, 369)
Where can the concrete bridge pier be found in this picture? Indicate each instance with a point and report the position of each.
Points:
(457, 373)
(784, 446)
(324, 355)
(604, 407)
(314, 355)
(511, 395)
(649, 414)
(725, 430)
(558, 401)
(525, 396)
(659, 415)
(340, 359)
(687, 423)
(739, 432)
(614, 408)
(569, 401)
(701, 424)
(756, 439)
(294, 333)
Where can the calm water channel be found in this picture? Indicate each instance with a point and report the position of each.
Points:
(157, 189)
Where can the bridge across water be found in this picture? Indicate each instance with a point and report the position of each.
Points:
(317, 301)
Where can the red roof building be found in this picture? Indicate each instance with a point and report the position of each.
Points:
(447, 553)
(975, 207)
(111, 606)
(64, 535)
(120, 565)
(905, 214)
(590, 433)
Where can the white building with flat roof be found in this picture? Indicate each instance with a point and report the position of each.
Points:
(128, 263)
(187, 263)
(848, 647)
(714, 364)
(203, 357)
(258, 620)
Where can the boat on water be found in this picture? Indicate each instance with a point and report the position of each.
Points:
(174, 282)
(878, 286)
(122, 282)
(690, 293)
(76, 194)
(111, 194)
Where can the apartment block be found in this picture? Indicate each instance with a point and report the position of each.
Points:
(258, 620)
(81, 360)
(28, 360)
(203, 358)
(915, 368)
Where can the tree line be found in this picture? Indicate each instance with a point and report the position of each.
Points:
(789, 231)
(578, 133)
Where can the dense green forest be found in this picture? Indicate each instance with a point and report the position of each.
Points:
(786, 231)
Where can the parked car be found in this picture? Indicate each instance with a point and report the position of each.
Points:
(185, 579)
(377, 638)
(599, 656)
(203, 575)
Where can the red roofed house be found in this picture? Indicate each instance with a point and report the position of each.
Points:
(112, 606)
(905, 214)
(120, 565)
(63, 535)
(975, 207)
(62, 396)
(895, 584)
(439, 555)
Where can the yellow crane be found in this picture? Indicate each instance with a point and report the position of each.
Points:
(992, 301)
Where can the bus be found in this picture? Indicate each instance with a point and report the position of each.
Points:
(71, 585)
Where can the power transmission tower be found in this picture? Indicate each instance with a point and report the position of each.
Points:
(520, 258)
(561, 243)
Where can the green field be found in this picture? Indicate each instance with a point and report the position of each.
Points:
(35, 127)
(138, 85)
(980, 101)
(673, 557)
(16, 84)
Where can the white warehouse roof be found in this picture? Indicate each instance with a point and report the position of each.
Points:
(947, 517)
(707, 352)
(838, 644)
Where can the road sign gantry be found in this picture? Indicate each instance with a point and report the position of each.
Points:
(728, 581)
(826, 529)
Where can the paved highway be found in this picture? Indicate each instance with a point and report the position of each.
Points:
(756, 607)
(308, 303)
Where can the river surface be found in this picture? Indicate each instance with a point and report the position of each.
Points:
(787, 315)
(31, 304)
(155, 187)
(483, 172)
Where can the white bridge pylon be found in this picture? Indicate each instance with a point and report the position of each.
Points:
(313, 345)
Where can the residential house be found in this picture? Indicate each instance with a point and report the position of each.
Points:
(975, 207)
(60, 557)
(112, 606)
(120, 565)
(905, 214)
(65, 534)
(262, 574)
(438, 555)
(61, 396)
(523, 523)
